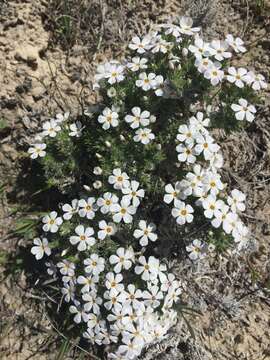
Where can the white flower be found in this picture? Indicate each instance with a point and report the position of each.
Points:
(70, 210)
(237, 44)
(218, 50)
(237, 76)
(113, 282)
(195, 249)
(50, 128)
(87, 208)
(186, 153)
(200, 48)
(68, 292)
(108, 118)
(41, 247)
(203, 64)
(244, 110)
(37, 150)
(119, 179)
(186, 26)
(106, 201)
(97, 184)
(79, 312)
(205, 145)
(122, 260)
(145, 232)
(161, 45)
(114, 73)
(66, 267)
(257, 81)
(198, 121)
(94, 265)
(172, 192)
(220, 215)
(172, 29)
(211, 204)
(97, 170)
(137, 64)
(92, 302)
(146, 82)
(76, 129)
(138, 118)
(88, 282)
(182, 212)
(144, 136)
(159, 85)
(133, 193)
(106, 229)
(140, 45)
(152, 297)
(60, 118)
(84, 238)
(212, 182)
(214, 74)
(231, 223)
(236, 200)
(187, 134)
(131, 349)
(51, 222)
(123, 211)
(148, 270)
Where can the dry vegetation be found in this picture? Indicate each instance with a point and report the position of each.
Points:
(48, 53)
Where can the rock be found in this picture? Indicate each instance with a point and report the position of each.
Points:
(28, 54)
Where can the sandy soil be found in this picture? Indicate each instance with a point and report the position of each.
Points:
(39, 76)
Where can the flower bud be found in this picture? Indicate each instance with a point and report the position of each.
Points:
(111, 92)
(86, 187)
(97, 184)
(152, 119)
(159, 146)
(185, 52)
(108, 144)
(97, 170)
(98, 155)
(122, 138)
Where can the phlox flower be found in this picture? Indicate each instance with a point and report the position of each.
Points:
(122, 259)
(200, 48)
(79, 312)
(186, 153)
(138, 118)
(108, 118)
(106, 229)
(66, 267)
(147, 269)
(94, 264)
(231, 224)
(70, 210)
(137, 64)
(114, 73)
(84, 238)
(87, 208)
(140, 45)
(161, 45)
(243, 110)
(203, 64)
(237, 76)
(75, 129)
(182, 212)
(185, 24)
(172, 29)
(123, 211)
(144, 136)
(257, 81)
(159, 86)
(114, 298)
(41, 247)
(113, 282)
(51, 222)
(146, 82)
(88, 282)
(68, 291)
(106, 201)
(199, 122)
(92, 302)
(236, 43)
(195, 249)
(220, 214)
(145, 233)
(60, 118)
(237, 201)
(119, 179)
(218, 49)
(212, 182)
(214, 74)
(152, 296)
(37, 150)
(132, 297)
(210, 205)
(172, 192)
(187, 134)
(133, 193)
(130, 348)
(50, 128)
(206, 146)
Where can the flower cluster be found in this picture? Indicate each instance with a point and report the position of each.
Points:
(125, 299)
(149, 155)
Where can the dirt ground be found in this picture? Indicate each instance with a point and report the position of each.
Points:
(46, 67)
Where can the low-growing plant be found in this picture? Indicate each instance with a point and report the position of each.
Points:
(140, 172)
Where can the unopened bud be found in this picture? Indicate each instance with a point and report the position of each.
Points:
(97, 184)
(185, 52)
(98, 155)
(108, 144)
(86, 187)
(97, 170)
